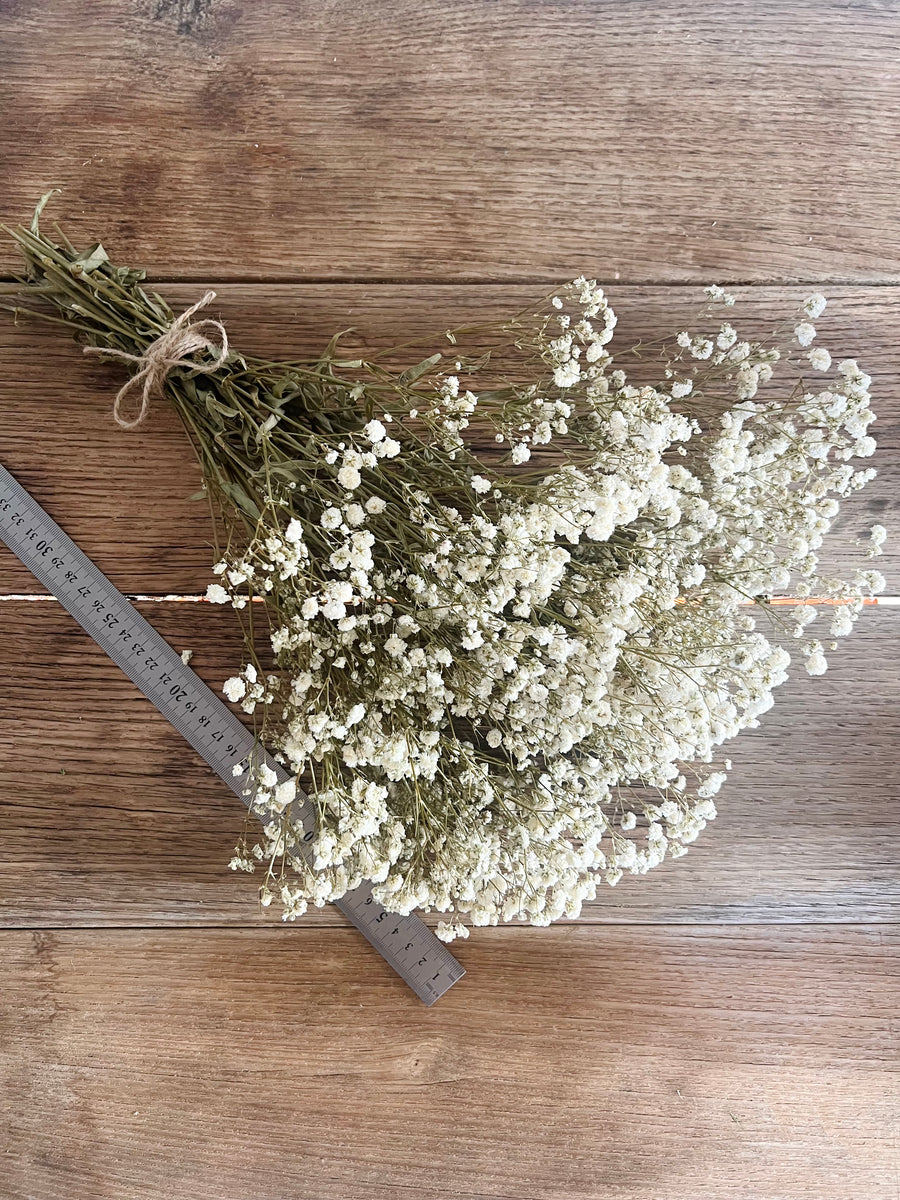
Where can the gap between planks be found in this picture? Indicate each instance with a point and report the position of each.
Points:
(195, 598)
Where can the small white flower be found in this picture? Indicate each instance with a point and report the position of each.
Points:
(375, 431)
(294, 532)
(567, 375)
(448, 931)
(841, 623)
(375, 505)
(331, 518)
(804, 333)
(480, 484)
(682, 387)
(234, 688)
(819, 358)
(309, 608)
(817, 664)
(267, 776)
(349, 478)
(520, 453)
(876, 541)
(284, 794)
(216, 594)
(814, 306)
(711, 785)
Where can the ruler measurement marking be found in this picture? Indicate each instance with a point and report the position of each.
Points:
(217, 735)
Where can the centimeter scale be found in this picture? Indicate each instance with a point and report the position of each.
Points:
(204, 721)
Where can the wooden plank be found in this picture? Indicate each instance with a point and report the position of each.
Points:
(641, 1064)
(137, 831)
(123, 495)
(515, 140)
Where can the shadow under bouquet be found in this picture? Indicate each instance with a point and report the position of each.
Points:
(511, 593)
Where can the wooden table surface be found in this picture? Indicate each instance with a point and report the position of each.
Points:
(723, 1029)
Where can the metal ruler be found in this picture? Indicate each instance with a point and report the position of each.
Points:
(202, 719)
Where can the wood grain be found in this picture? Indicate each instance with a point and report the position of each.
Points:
(720, 1030)
(108, 817)
(462, 140)
(122, 495)
(701, 1064)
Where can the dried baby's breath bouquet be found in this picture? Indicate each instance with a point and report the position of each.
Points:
(512, 597)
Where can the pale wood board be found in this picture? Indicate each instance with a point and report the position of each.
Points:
(692, 1064)
(720, 1030)
(462, 140)
(123, 495)
(138, 829)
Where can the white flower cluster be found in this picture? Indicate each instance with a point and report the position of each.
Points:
(499, 691)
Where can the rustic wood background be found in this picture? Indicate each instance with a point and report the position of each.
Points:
(721, 1030)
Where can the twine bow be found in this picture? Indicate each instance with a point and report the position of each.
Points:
(171, 349)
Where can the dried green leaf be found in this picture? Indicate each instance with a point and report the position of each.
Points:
(239, 497)
(215, 406)
(39, 208)
(419, 369)
(91, 259)
(333, 344)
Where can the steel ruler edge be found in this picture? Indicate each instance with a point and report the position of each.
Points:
(203, 720)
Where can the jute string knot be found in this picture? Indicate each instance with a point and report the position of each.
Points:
(171, 349)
